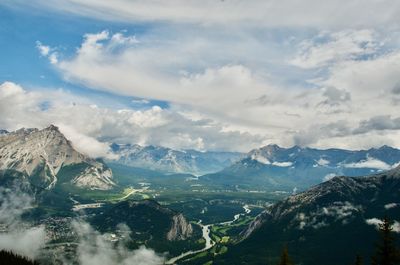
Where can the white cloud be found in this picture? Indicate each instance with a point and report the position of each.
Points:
(377, 222)
(48, 52)
(391, 205)
(43, 49)
(370, 163)
(19, 236)
(90, 127)
(93, 248)
(327, 48)
(282, 164)
(329, 177)
(86, 144)
(265, 13)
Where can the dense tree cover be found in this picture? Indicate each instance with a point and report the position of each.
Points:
(386, 251)
(10, 258)
(285, 259)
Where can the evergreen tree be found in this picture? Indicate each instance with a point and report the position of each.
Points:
(386, 253)
(10, 258)
(285, 259)
(359, 260)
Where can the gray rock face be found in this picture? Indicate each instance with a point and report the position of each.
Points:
(180, 229)
(41, 154)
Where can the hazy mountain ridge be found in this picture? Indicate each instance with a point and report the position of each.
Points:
(274, 167)
(173, 161)
(41, 154)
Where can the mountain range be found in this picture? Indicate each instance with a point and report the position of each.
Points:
(274, 167)
(173, 161)
(328, 224)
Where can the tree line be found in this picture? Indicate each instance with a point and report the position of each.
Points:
(386, 252)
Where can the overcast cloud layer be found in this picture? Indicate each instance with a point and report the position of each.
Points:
(234, 75)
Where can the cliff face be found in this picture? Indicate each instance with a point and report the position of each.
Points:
(180, 229)
(41, 154)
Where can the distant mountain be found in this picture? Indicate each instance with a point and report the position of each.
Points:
(47, 159)
(328, 224)
(173, 161)
(273, 167)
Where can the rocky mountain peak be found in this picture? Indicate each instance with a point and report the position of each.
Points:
(43, 153)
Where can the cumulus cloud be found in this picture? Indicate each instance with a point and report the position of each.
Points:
(128, 71)
(19, 236)
(48, 52)
(92, 128)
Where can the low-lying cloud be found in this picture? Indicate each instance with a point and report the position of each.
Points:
(19, 236)
(95, 249)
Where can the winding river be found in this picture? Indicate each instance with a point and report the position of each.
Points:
(206, 235)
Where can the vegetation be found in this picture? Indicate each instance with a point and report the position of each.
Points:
(386, 252)
(10, 258)
(285, 259)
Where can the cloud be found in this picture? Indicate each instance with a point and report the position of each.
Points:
(370, 163)
(391, 205)
(329, 177)
(91, 128)
(377, 222)
(43, 49)
(327, 48)
(86, 144)
(128, 72)
(94, 248)
(19, 236)
(47, 51)
(379, 123)
(264, 13)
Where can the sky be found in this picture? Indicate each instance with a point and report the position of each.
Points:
(219, 75)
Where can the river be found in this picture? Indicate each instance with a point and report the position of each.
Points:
(206, 235)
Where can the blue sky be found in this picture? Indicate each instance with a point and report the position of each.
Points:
(221, 75)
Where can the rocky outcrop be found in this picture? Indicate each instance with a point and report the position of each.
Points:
(180, 229)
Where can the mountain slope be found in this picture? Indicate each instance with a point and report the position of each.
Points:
(173, 161)
(43, 154)
(151, 224)
(273, 167)
(314, 224)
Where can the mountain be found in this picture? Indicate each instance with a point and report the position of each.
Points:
(154, 225)
(173, 161)
(328, 224)
(273, 167)
(47, 158)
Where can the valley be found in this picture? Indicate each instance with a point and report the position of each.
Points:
(189, 219)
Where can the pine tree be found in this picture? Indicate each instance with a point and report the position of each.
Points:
(359, 260)
(285, 259)
(386, 250)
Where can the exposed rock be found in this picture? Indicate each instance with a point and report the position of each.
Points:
(180, 229)
(41, 154)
